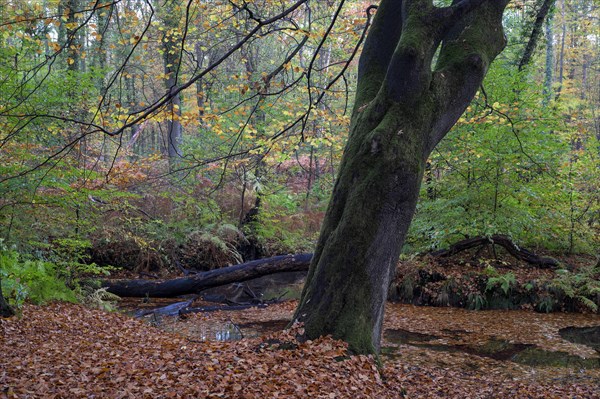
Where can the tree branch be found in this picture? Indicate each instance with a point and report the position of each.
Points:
(378, 50)
(467, 50)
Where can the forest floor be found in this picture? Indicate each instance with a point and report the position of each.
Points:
(70, 351)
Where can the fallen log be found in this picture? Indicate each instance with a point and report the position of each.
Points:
(503, 241)
(195, 283)
(169, 310)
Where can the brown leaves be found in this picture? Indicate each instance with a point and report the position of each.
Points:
(65, 350)
(70, 351)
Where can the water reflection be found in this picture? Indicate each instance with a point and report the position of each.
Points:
(222, 332)
(501, 349)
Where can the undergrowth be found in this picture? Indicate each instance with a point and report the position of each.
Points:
(488, 287)
(39, 281)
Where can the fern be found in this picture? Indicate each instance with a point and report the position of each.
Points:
(476, 301)
(504, 281)
(98, 298)
(34, 280)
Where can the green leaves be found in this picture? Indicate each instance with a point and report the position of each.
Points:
(511, 166)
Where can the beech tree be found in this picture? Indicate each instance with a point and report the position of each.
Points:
(408, 97)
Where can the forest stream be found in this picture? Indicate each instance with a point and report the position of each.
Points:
(517, 343)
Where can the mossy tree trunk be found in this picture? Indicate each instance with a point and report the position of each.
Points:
(405, 104)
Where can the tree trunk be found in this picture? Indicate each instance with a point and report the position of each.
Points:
(404, 106)
(549, 69)
(561, 57)
(204, 280)
(536, 32)
(73, 39)
(5, 309)
(171, 47)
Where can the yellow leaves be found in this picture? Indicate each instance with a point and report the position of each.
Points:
(55, 46)
(70, 61)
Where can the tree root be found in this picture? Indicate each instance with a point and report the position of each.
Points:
(503, 241)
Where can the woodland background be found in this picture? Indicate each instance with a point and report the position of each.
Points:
(152, 134)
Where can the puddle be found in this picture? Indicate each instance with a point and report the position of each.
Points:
(282, 286)
(404, 337)
(589, 336)
(219, 332)
(131, 306)
(502, 350)
(232, 332)
(215, 331)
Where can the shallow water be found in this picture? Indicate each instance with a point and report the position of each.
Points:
(569, 341)
(498, 349)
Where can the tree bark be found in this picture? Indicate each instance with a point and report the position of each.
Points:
(549, 68)
(404, 106)
(212, 278)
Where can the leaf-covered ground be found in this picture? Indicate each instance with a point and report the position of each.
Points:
(69, 351)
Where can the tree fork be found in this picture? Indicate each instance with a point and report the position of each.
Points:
(403, 108)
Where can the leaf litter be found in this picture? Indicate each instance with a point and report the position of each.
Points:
(70, 351)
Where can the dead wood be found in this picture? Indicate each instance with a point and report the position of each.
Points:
(193, 284)
(503, 241)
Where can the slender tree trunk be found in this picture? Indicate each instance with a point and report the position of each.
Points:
(404, 106)
(549, 72)
(73, 38)
(561, 58)
(536, 32)
(171, 43)
(200, 89)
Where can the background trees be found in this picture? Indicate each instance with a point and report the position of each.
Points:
(94, 96)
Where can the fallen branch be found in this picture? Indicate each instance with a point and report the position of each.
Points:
(213, 278)
(169, 310)
(505, 242)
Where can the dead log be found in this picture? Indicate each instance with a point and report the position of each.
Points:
(195, 283)
(169, 310)
(503, 241)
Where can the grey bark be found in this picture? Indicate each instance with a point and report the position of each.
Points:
(171, 46)
(561, 58)
(73, 39)
(549, 69)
